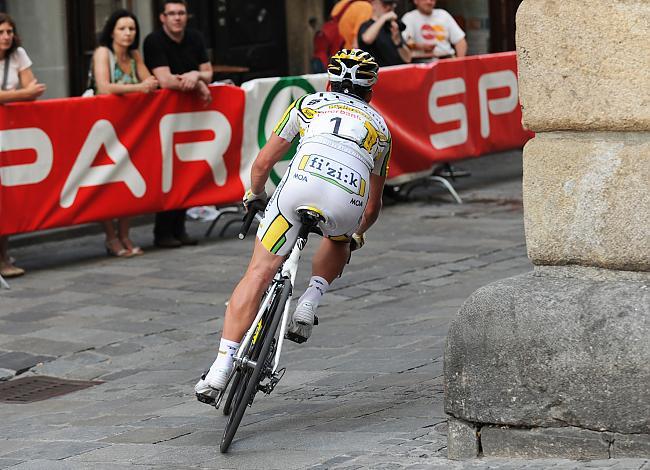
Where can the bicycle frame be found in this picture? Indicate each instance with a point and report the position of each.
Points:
(288, 270)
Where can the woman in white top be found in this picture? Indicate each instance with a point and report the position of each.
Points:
(118, 68)
(18, 84)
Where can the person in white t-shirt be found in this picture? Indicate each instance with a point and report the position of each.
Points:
(18, 84)
(432, 33)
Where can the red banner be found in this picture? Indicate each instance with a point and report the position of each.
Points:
(449, 110)
(79, 160)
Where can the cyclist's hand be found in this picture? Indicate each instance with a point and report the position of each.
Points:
(249, 197)
(358, 239)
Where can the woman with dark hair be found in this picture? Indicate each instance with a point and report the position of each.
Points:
(118, 68)
(117, 64)
(18, 84)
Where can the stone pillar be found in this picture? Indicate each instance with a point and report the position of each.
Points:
(556, 363)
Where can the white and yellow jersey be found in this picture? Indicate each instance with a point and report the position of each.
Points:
(341, 120)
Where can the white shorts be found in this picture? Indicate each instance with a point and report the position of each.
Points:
(333, 182)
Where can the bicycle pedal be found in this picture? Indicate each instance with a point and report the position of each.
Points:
(298, 333)
(296, 338)
(205, 399)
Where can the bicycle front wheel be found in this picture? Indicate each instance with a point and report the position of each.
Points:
(231, 394)
(235, 392)
(249, 380)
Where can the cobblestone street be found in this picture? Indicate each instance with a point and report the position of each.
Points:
(366, 391)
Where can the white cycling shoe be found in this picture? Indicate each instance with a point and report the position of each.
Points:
(206, 392)
(304, 314)
(302, 322)
(209, 385)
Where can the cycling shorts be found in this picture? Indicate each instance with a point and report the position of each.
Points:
(323, 177)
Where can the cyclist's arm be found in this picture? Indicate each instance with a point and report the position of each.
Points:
(373, 207)
(270, 154)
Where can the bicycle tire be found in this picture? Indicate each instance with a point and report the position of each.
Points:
(251, 379)
(238, 373)
(240, 381)
(231, 392)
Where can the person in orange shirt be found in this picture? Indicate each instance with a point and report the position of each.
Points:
(357, 13)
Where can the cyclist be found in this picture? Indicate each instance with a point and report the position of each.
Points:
(339, 169)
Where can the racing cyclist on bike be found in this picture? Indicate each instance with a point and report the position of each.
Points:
(339, 169)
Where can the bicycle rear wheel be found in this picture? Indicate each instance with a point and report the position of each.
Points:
(249, 380)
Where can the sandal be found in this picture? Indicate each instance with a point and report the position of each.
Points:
(114, 248)
(133, 250)
(9, 270)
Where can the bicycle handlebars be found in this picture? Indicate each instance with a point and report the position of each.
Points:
(253, 209)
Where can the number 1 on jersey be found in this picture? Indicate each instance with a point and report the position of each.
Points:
(337, 126)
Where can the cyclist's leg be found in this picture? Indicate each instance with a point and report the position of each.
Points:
(240, 314)
(276, 235)
(246, 297)
(327, 265)
(342, 196)
(330, 258)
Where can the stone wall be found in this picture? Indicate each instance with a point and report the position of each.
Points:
(556, 363)
(42, 30)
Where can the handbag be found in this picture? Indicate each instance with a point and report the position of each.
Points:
(91, 86)
(90, 82)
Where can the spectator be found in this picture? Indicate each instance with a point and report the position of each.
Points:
(432, 33)
(178, 58)
(340, 31)
(381, 36)
(356, 14)
(118, 68)
(18, 84)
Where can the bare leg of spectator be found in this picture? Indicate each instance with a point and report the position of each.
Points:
(7, 269)
(113, 244)
(123, 232)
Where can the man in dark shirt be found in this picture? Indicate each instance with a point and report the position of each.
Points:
(381, 36)
(178, 59)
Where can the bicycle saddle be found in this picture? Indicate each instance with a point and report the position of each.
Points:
(311, 217)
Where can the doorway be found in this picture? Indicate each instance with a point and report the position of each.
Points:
(502, 22)
(80, 24)
(250, 34)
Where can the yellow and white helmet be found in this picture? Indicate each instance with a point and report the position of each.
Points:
(355, 65)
